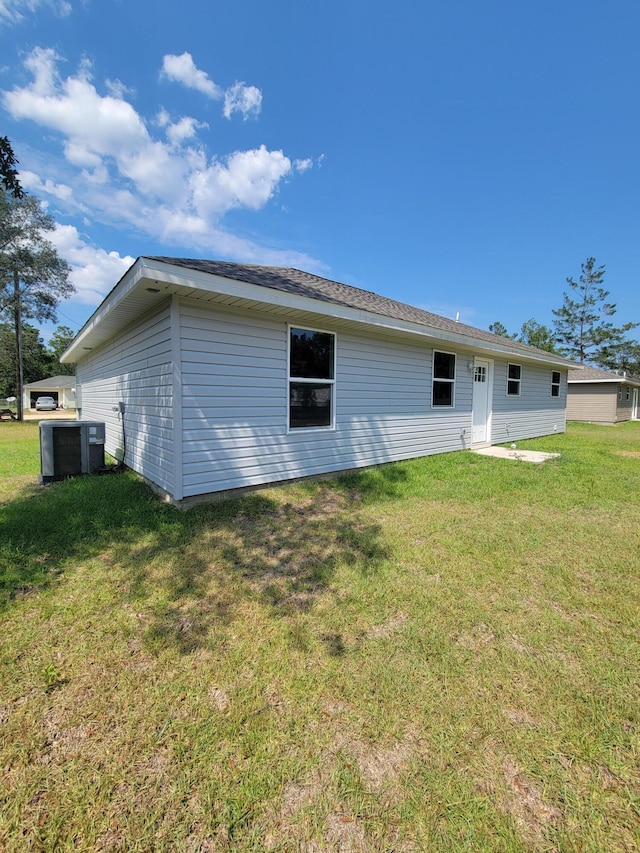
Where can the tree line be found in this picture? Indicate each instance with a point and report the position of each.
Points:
(582, 326)
(33, 281)
(39, 360)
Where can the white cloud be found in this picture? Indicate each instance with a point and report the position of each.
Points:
(117, 88)
(12, 11)
(184, 129)
(302, 166)
(32, 183)
(245, 179)
(93, 271)
(182, 69)
(117, 172)
(239, 98)
(242, 99)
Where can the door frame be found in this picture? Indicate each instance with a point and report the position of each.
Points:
(489, 362)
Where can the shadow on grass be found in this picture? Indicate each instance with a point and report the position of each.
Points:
(189, 570)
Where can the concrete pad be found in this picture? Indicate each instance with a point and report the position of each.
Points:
(536, 456)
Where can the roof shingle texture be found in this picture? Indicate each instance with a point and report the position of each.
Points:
(312, 286)
(54, 382)
(595, 374)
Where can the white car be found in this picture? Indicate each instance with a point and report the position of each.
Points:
(46, 404)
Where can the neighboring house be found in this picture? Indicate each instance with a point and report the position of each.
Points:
(213, 376)
(601, 397)
(61, 388)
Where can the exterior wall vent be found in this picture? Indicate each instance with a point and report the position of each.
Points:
(68, 448)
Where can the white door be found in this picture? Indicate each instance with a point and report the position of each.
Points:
(481, 409)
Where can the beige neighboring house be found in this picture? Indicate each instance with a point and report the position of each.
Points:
(601, 397)
(61, 388)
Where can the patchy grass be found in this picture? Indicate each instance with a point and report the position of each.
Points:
(436, 655)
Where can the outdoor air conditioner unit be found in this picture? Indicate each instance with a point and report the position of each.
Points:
(68, 448)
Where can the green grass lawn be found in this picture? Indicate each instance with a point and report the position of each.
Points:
(438, 655)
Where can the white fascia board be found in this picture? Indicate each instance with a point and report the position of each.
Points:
(166, 273)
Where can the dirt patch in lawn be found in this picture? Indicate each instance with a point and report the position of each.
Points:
(523, 800)
(315, 797)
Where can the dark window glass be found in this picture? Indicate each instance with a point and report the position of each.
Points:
(513, 381)
(444, 374)
(442, 393)
(312, 354)
(555, 383)
(444, 365)
(514, 371)
(309, 404)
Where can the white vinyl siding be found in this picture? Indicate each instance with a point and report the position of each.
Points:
(533, 412)
(207, 409)
(234, 416)
(134, 368)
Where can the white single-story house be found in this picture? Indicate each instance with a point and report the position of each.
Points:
(61, 388)
(215, 376)
(601, 397)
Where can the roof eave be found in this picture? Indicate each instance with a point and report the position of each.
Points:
(146, 271)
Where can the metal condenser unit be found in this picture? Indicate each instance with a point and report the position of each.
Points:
(68, 448)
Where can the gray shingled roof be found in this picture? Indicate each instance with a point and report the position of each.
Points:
(325, 290)
(595, 374)
(53, 382)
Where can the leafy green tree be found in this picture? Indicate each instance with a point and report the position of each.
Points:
(60, 340)
(581, 325)
(33, 277)
(623, 358)
(537, 335)
(8, 171)
(35, 358)
(531, 332)
(499, 329)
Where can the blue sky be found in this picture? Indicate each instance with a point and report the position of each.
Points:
(462, 156)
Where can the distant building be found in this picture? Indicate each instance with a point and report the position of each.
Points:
(61, 388)
(601, 397)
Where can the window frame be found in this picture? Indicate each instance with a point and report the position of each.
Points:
(517, 393)
(311, 381)
(556, 384)
(435, 379)
(619, 393)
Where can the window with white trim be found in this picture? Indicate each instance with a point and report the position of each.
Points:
(628, 394)
(514, 378)
(444, 379)
(619, 393)
(312, 356)
(555, 383)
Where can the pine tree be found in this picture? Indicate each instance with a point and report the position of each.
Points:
(8, 171)
(33, 278)
(581, 324)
